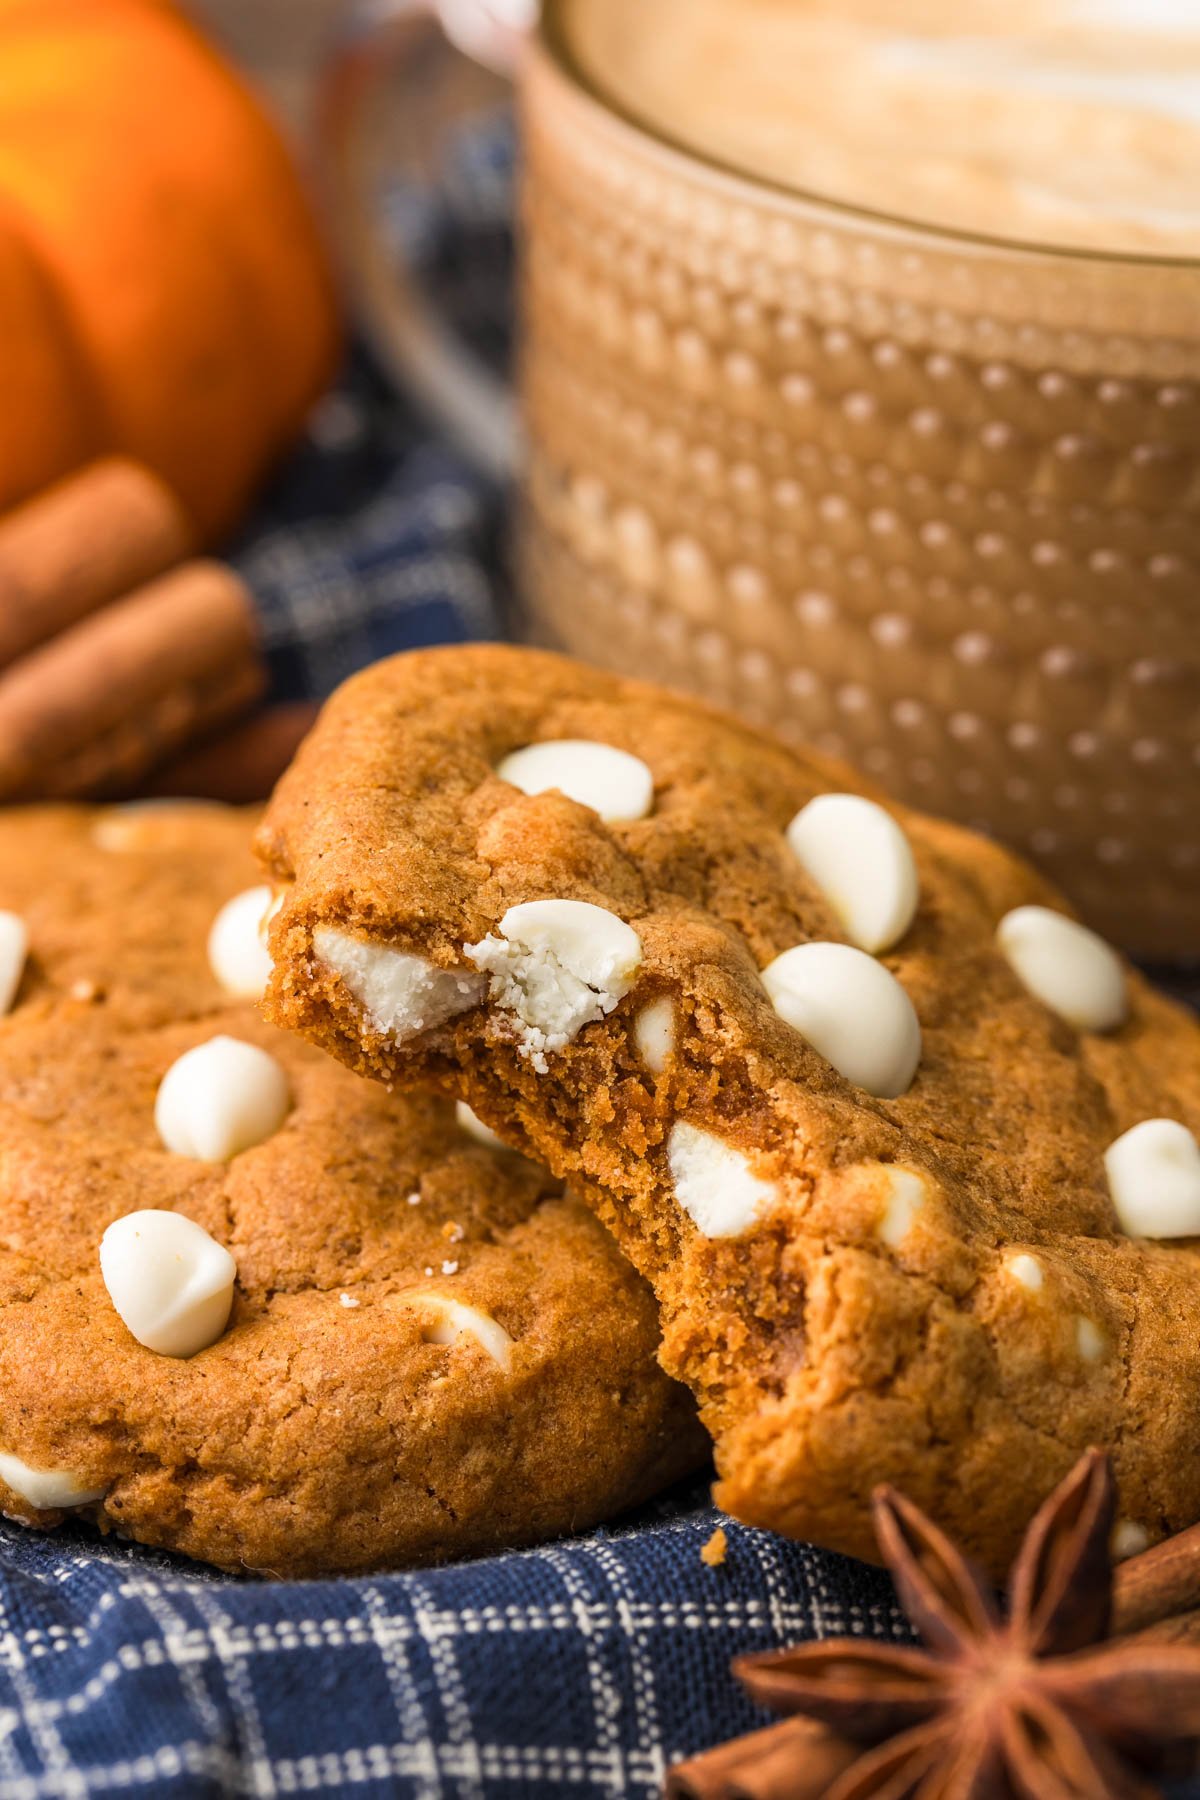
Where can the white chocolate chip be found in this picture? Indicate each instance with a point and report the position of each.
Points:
(654, 1033)
(863, 864)
(714, 1183)
(219, 1099)
(171, 1283)
(348, 1300)
(14, 948)
(46, 1490)
(402, 995)
(119, 827)
(1065, 966)
(1026, 1271)
(1089, 1339)
(591, 943)
(906, 1195)
(556, 966)
(1154, 1178)
(136, 824)
(1128, 1539)
(237, 954)
(610, 781)
(852, 1011)
(476, 1128)
(450, 1319)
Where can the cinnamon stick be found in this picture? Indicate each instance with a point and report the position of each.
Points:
(241, 763)
(1176, 1628)
(104, 700)
(1157, 1583)
(84, 542)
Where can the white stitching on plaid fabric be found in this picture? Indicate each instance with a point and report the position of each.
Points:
(616, 1634)
(736, 1613)
(390, 1634)
(606, 1700)
(802, 1613)
(52, 1749)
(647, 1725)
(184, 1655)
(436, 1627)
(54, 1640)
(777, 1600)
(238, 1684)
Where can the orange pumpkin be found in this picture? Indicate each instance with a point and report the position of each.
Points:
(163, 291)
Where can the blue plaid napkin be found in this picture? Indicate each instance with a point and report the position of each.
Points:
(584, 1667)
(376, 538)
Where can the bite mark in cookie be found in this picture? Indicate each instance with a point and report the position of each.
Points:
(400, 994)
(835, 1251)
(715, 1184)
(554, 966)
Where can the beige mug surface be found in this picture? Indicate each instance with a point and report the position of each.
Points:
(927, 499)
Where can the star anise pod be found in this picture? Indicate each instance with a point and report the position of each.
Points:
(1025, 1704)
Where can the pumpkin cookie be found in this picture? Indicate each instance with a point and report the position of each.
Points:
(251, 1308)
(904, 1151)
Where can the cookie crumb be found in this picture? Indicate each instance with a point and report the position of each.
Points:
(713, 1552)
(449, 1268)
(453, 1232)
(348, 1300)
(83, 990)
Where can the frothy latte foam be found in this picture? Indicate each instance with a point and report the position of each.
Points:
(1069, 122)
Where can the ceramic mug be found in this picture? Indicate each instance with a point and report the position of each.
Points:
(927, 500)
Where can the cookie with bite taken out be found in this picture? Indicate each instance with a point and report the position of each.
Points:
(906, 1153)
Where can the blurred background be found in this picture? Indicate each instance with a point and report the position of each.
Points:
(922, 499)
(214, 506)
(280, 42)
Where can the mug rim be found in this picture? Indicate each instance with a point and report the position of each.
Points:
(550, 39)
